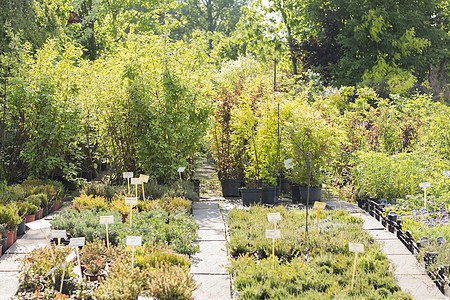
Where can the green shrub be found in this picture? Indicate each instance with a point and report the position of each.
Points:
(11, 193)
(9, 217)
(91, 202)
(100, 189)
(40, 200)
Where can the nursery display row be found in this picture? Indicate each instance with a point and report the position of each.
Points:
(303, 264)
(424, 232)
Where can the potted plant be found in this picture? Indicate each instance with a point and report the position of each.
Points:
(313, 142)
(11, 219)
(226, 149)
(93, 259)
(4, 241)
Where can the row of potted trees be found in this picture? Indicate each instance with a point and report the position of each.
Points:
(257, 129)
(20, 204)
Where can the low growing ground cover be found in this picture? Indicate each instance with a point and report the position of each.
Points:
(306, 266)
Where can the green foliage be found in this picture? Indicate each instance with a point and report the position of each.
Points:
(9, 217)
(399, 175)
(101, 189)
(311, 270)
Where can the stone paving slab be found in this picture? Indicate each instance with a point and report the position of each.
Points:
(9, 284)
(382, 235)
(10, 263)
(370, 223)
(420, 286)
(31, 240)
(406, 265)
(214, 288)
(394, 247)
(211, 259)
(211, 235)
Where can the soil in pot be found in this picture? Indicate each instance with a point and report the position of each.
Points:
(251, 196)
(21, 227)
(230, 187)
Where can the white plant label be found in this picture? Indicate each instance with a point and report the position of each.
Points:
(424, 184)
(134, 240)
(77, 270)
(144, 178)
(106, 219)
(181, 169)
(131, 201)
(273, 233)
(39, 224)
(59, 234)
(274, 217)
(288, 163)
(128, 174)
(71, 256)
(446, 173)
(354, 247)
(53, 270)
(136, 181)
(77, 242)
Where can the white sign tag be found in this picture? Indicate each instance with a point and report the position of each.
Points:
(71, 256)
(106, 219)
(77, 242)
(181, 169)
(134, 240)
(273, 233)
(446, 173)
(144, 298)
(424, 184)
(39, 224)
(273, 217)
(136, 181)
(77, 270)
(354, 247)
(52, 270)
(131, 201)
(288, 163)
(144, 178)
(128, 174)
(59, 234)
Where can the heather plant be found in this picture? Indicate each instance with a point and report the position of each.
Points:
(92, 202)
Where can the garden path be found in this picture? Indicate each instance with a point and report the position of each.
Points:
(408, 273)
(209, 264)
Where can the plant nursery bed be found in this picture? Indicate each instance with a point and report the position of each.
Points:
(298, 263)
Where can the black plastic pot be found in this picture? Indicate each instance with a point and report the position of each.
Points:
(37, 216)
(295, 194)
(269, 195)
(230, 187)
(285, 186)
(21, 227)
(196, 183)
(251, 196)
(67, 287)
(4, 245)
(315, 194)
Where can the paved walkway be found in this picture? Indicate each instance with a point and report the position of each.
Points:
(209, 264)
(408, 273)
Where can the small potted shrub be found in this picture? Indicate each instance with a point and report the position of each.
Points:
(93, 259)
(10, 218)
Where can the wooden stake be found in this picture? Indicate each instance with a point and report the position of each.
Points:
(128, 180)
(107, 236)
(143, 193)
(62, 278)
(317, 228)
(354, 269)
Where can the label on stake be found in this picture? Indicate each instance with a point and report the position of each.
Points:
(274, 217)
(424, 184)
(273, 233)
(59, 234)
(71, 256)
(288, 163)
(127, 174)
(181, 169)
(134, 241)
(319, 205)
(106, 219)
(131, 201)
(52, 270)
(354, 247)
(136, 181)
(446, 173)
(144, 178)
(77, 242)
